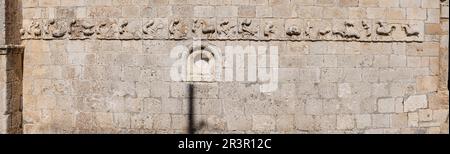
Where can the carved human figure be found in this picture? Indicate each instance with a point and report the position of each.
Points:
(225, 29)
(246, 29)
(367, 28)
(269, 29)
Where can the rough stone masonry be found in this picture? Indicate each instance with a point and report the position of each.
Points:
(104, 66)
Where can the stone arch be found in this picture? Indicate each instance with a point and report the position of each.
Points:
(204, 63)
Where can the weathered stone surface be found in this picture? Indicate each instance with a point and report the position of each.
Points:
(107, 66)
(413, 103)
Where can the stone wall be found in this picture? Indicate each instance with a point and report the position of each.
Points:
(11, 55)
(345, 66)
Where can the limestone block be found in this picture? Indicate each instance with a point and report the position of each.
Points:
(263, 123)
(305, 122)
(413, 119)
(413, 103)
(368, 3)
(388, 105)
(284, 123)
(425, 115)
(427, 84)
(399, 120)
(238, 122)
(381, 120)
(162, 121)
(431, 4)
(345, 122)
(363, 121)
(410, 3)
(389, 3)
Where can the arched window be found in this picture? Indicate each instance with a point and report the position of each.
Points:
(203, 64)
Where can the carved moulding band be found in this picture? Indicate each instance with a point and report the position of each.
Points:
(224, 29)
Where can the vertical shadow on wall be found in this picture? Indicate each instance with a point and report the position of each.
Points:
(14, 65)
(191, 120)
(14, 78)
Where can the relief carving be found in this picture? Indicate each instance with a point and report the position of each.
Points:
(385, 29)
(178, 29)
(366, 28)
(227, 28)
(151, 28)
(34, 30)
(247, 29)
(411, 30)
(201, 28)
(128, 30)
(351, 31)
(269, 29)
(54, 29)
(293, 31)
(81, 29)
(107, 30)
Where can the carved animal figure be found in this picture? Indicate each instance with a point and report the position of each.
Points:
(224, 28)
(324, 31)
(246, 28)
(107, 29)
(75, 29)
(293, 31)
(351, 32)
(384, 29)
(88, 28)
(35, 29)
(411, 30)
(54, 29)
(205, 28)
(150, 27)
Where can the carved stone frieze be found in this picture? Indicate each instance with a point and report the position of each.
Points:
(224, 29)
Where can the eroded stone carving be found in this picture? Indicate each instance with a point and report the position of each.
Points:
(248, 29)
(178, 29)
(107, 30)
(81, 29)
(201, 28)
(411, 30)
(125, 32)
(33, 31)
(269, 29)
(385, 29)
(293, 31)
(226, 29)
(351, 31)
(151, 28)
(54, 29)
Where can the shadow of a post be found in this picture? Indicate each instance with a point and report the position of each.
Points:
(191, 120)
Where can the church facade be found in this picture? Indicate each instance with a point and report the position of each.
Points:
(224, 66)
